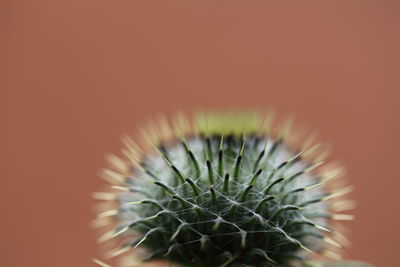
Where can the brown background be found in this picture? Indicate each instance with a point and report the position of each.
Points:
(75, 75)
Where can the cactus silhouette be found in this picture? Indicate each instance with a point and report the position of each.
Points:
(224, 189)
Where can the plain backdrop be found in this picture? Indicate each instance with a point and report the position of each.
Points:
(76, 74)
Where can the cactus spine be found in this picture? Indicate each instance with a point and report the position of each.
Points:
(223, 190)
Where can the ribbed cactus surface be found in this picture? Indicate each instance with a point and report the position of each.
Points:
(223, 190)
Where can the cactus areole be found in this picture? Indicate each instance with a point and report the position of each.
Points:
(224, 189)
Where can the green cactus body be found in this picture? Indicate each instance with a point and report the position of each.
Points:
(223, 190)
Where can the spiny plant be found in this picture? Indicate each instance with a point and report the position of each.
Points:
(224, 189)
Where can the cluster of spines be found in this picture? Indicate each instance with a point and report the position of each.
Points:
(207, 126)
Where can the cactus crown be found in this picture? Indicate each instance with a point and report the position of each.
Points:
(223, 190)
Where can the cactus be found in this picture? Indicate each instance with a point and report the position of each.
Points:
(224, 189)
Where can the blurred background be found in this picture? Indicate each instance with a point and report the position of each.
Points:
(75, 75)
